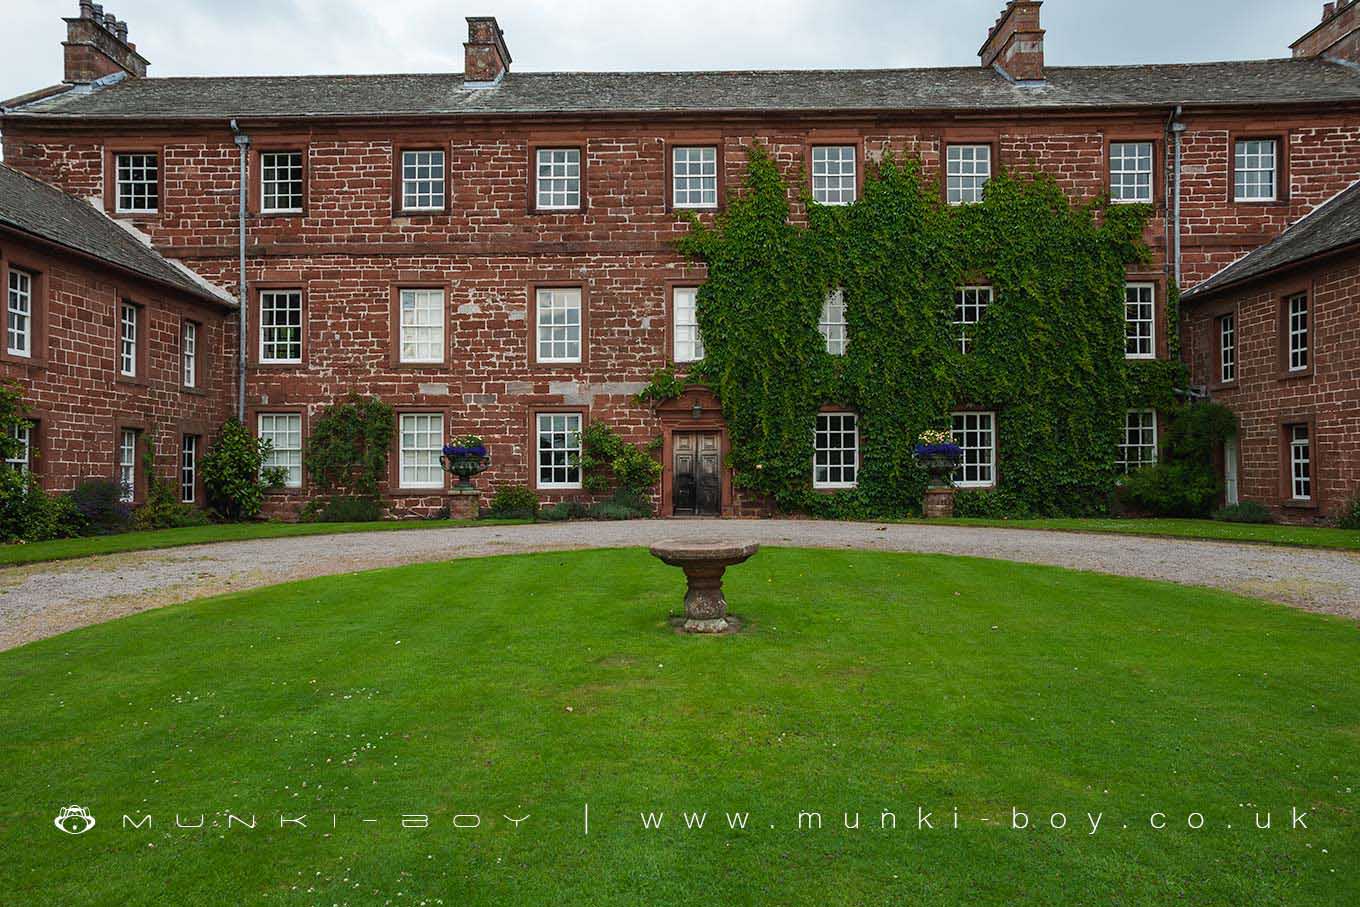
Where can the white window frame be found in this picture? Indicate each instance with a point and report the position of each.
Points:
(134, 171)
(835, 171)
(1256, 157)
(1227, 347)
(269, 427)
(1135, 454)
(1131, 171)
(557, 179)
(188, 469)
(1134, 336)
(1300, 462)
(832, 325)
(831, 425)
(23, 463)
(281, 179)
(970, 305)
(189, 353)
(975, 456)
(550, 425)
(420, 442)
(554, 335)
(1298, 323)
(421, 315)
(687, 343)
(19, 313)
(968, 169)
(129, 326)
(128, 439)
(424, 184)
(274, 335)
(694, 177)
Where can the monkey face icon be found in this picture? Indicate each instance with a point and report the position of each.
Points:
(74, 820)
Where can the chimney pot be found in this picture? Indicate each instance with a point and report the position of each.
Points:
(97, 45)
(122, 31)
(485, 56)
(1328, 10)
(1015, 45)
(87, 9)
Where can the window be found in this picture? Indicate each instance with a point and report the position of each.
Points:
(976, 434)
(968, 167)
(1255, 172)
(1131, 172)
(422, 181)
(422, 441)
(559, 450)
(188, 469)
(688, 344)
(281, 182)
(970, 304)
(19, 320)
(127, 464)
(1139, 318)
(21, 460)
(558, 313)
(1297, 313)
(189, 352)
(559, 178)
(127, 339)
(694, 177)
(835, 461)
(281, 326)
(284, 432)
(1139, 445)
(138, 183)
(833, 174)
(422, 325)
(832, 323)
(1300, 463)
(1227, 348)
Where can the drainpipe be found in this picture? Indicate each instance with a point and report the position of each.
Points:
(1175, 127)
(243, 143)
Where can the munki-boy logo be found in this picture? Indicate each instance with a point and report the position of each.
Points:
(74, 820)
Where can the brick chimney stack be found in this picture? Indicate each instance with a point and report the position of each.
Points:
(1337, 38)
(485, 57)
(96, 45)
(1015, 44)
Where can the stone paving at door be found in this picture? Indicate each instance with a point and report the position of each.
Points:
(43, 600)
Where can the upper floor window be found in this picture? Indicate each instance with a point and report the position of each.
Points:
(189, 353)
(694, 177)
(970, 304)
(1131, 171)
(422, 441)
(127, 464)
(1139, 320)
(1297, 324)
(21, 458)
(19, 314)
(1227, 348)
(836, 451)
(281, 326)
(281, 182)
(976, 434)
(1256, 170)
(832, 324)
(422, 325)
(1139, 445)
(283, 431)
(833, 174)
(558, 317)
(688, 344)
(967, 170)
(557, 438)
(558, 174)
(128, 330)
(422, 181)
(138, 183)
(1300, 463)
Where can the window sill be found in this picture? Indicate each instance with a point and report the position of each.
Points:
(1300, 505)
(419, 212)
(132, 380)
(194, 391)
(580, 210)
(32, 362)
(290, 212)
(280, 366)
(1294, 376)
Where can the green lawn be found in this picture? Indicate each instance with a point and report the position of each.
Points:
(1212, 530)
(536, 685)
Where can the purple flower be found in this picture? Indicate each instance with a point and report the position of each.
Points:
(949, 451)
(454, 450)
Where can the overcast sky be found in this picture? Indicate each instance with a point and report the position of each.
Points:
(267, 37)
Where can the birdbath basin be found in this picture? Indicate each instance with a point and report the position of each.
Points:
(704, 564)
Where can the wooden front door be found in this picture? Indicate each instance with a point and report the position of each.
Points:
(696, 483)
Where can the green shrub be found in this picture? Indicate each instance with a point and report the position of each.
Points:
(347, 446)
(608, 462)
(101, 505)
(608, 510)
(1170, 489)
(28, 514)
(1349, 518)
(163, 508)
(234, 479)
(514, 501)
(343, 508)
(563, 510)
(997, 504)
(1245, 512)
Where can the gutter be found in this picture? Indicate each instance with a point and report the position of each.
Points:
(243, 143)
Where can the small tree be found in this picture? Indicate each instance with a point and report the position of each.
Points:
(234, 477)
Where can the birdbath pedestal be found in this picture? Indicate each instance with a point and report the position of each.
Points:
(704, 564)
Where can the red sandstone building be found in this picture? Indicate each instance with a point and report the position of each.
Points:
(492, 252)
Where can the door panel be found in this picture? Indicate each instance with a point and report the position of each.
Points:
(696, 474)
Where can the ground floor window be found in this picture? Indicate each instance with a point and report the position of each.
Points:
(836, 451)
(127, 464)
(422, 441)
(188, 469)
(1138, 447)
(976, 434)
(558, 441)
(1300, 463)
(284, 433)
(21, 459)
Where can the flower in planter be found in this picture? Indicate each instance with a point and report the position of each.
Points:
(465, 446)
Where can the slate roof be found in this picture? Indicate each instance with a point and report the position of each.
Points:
(37, 209)
(959, 88)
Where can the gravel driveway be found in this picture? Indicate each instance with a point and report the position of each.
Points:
(46, 599)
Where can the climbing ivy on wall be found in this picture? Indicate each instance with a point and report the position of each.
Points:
(1047, 357)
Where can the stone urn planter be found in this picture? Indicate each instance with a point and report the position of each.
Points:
(465, 460)
(704, 564)
(940, 456)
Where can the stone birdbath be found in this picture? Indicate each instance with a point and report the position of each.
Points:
(704, 564)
